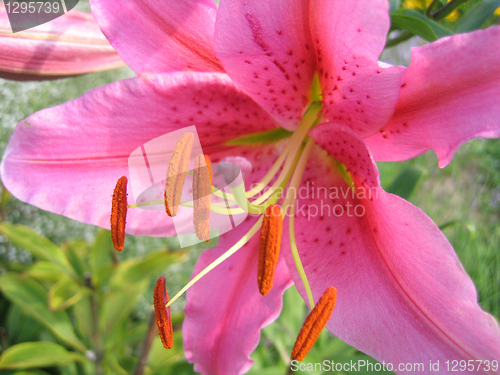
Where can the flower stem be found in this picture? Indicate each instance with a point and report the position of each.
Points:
(445, 10)
(96, 333)
(146, 346)
(405, 35)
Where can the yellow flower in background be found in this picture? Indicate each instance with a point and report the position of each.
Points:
(412, 4)
(424, 4)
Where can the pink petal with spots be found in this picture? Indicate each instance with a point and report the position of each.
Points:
(403, 296)
(266, 49)
(69, 45)
(225, 311)
(157, 37)
(348, 37)
(449, 95)
(67, 159)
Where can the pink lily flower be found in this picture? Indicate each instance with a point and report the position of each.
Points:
(247, 69)
(69, 45)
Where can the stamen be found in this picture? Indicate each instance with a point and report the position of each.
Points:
(202, 190)
(289, 204)
(315, 322)
(119, 213)
(176, 174)
(162, 314)
(238, 245)
(269, 248)
(311, 118)
(282, 180)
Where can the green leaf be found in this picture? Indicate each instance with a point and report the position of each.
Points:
(82, 312)
(69, 369)
(65, 293)
(136, 270)
(113, 365)
(45, 271)
(100, 258)
(476, 16)
(21, 327)
(405, 182)
(76, 250)
(394, 5)
(470, 227)
(40, 247)
(36, 354)
(5, 197)
(115, 308)
(413, 25)
(31, 297)
(164, 362)
(439, 30)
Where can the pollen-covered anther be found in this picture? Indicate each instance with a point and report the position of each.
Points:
(202, 190)
(162, 314)
(269, 248)
(176, 174)
(315, 322)
(119, 213)
(209, 166)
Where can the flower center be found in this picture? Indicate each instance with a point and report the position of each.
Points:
(287, 174)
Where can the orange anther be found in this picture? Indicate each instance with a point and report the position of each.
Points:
(176, 174)
(162, 314)
(202, 190)
(269, 248)
(119, 213)
(315, 322)
(209, 165)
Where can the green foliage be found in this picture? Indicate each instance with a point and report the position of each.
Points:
(432, 24)
(418, 24)
(476, 16)
(39, 246)
(81, 298)
(36, 354)
(31, 297)
(404, 184)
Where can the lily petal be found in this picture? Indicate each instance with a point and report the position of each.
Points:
(155, 37)
(348, 37)
(69, 45)
(444, 104)
(91, 138)
(266, 49)
(403, 296)
(225, 310)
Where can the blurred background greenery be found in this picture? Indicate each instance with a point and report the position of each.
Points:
(71, 305)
